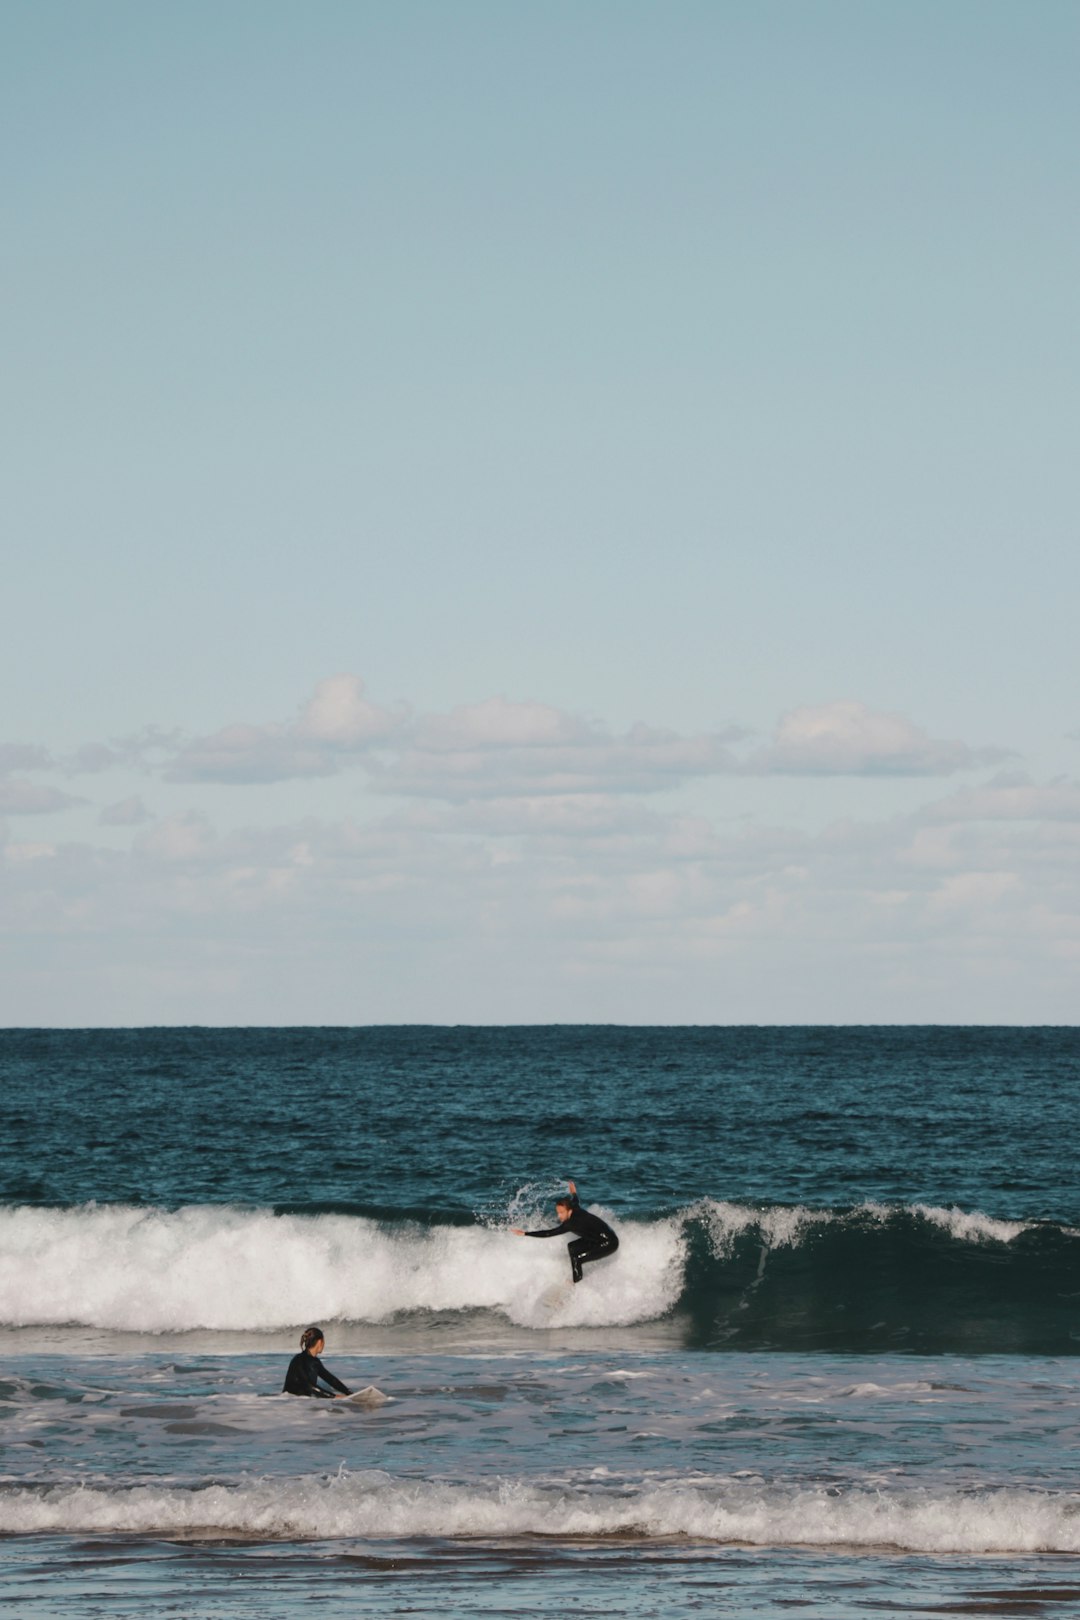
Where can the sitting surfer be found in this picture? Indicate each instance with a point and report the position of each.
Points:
(593, 1237)
(306, 1370)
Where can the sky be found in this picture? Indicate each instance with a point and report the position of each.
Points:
(554, 513)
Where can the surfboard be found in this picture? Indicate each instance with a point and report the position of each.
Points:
(368, 1396)
(558, 1294)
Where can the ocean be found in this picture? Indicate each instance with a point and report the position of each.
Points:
(833, 1366)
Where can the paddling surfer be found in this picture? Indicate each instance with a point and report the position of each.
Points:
(593, 1238)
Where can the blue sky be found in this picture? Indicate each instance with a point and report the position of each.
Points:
(558, 512)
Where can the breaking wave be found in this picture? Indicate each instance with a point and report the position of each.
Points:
(875, 1277)
(375, 1505)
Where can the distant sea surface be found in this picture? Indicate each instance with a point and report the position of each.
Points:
(834, 1363)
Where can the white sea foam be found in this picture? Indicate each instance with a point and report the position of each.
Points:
(967, 1226)
(777, 1225)
(750, 1511)
(152, 1271)
(971, 1226)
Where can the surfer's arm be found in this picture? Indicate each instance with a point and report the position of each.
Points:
(551, 1231)
(329, 1378)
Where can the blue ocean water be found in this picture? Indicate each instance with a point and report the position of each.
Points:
(834, 1363)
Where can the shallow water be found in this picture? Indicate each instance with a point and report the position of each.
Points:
(650, 1479)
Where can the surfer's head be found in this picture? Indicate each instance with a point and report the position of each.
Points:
(313, 1339)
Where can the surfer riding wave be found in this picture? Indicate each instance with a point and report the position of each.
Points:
(593, 1238)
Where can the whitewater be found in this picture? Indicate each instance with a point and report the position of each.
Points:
(346, 1507)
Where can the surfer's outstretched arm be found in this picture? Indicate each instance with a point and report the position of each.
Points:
(569, 1204)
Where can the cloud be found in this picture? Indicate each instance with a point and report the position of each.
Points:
(146, 749)
(333, 727)
(93, 758)
(250, 754)
(550, 905)
(849, 739)
(567, 817)
(129, 812)
(24, 757)
(1011, 798)
(499, 723)
(180, 839)
(21, 798)
(502, 749)
(338, 715)
(524, 851)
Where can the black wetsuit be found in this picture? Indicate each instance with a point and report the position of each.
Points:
(594, 1238)
(303, 1376)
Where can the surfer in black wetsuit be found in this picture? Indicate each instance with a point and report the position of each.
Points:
(593, 1237)
(305, 1370)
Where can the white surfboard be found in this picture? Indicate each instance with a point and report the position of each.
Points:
(556, 1296)
(368, 1396)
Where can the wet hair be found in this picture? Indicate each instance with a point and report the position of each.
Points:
(311, 1336)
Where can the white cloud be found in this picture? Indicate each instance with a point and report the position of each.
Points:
(501, 749)
(499, 723)
(20, 853)
(505, 908)
(24, 757)
(974, 890)
(527, 848)
(332, 728)
(1012, 798)
(19, 797)
(130, 812)
(183, 838)
(339, 716)
(95, 757)
(569, 816)
(849, 739)
(250, 754)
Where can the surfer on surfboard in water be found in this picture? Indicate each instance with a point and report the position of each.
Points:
(593, 1238)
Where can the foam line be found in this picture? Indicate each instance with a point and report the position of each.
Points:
(377, 1506)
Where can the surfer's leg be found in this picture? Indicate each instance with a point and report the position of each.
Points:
(582, 1250)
